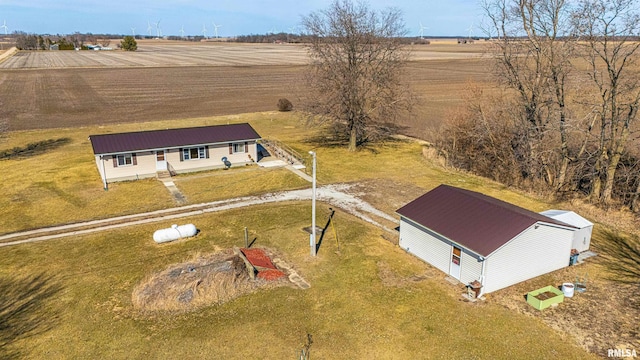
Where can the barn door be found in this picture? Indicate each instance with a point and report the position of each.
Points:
(454, 269)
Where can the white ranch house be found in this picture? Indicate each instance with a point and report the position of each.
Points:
(474, 237)
(135, 155)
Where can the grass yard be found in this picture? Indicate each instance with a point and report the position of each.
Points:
(84, 302)
(372, 301)
(61, 184)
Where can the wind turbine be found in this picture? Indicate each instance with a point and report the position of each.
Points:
(422, 29)
(4, 25)
(158, 31)
(182, 31)
(215, 28)
(133, 32)
(470, 30)
(204, 30)
(149, 28)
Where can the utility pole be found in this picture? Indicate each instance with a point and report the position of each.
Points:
(313, 207)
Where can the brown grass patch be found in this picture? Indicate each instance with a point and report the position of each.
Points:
(390, 278)
(33, 149)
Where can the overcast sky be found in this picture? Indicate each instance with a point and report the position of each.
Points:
(438, 17)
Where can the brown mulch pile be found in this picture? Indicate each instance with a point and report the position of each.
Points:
(271, 274)
(207, 280)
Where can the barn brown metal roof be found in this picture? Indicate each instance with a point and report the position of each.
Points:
(171, 138)
(478, 222)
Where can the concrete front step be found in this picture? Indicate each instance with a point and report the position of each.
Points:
(163, 175)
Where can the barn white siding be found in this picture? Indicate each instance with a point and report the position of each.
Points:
(425, 244)
(471, 267)
(582, 238)
(538, 250)
(582, 235)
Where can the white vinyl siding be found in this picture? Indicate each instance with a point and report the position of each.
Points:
(426, 245)
(142, 165)
(582, 238)
(538, 250)
(209, 157)
(471, 267)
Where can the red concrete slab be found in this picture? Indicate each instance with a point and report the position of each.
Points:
(271, 274)
(258, 258)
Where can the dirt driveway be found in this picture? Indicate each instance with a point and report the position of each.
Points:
(336, 195)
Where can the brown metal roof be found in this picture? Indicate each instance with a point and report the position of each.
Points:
(171, 138)
(477, 222)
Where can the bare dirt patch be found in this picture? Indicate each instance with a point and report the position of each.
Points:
(386, 194)
(39, 99)
(74, 97)
(207, 280)
(390, 278)
(606, 316)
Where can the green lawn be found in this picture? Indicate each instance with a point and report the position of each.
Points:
(62, 185)
(348, 310)
(81, 307)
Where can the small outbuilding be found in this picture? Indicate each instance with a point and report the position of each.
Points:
(135, 155)
(582, 235)
(474, 237)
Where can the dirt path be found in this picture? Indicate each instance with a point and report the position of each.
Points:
(336, 195)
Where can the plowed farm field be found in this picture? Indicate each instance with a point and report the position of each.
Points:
(165, 80)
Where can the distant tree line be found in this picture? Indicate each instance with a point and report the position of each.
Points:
(565, 117)
(284, 37)
(26, 41)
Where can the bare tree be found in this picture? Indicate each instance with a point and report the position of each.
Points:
(357, 59)
(532, 53)
(609, 29)
(481, 137)
(635, 198)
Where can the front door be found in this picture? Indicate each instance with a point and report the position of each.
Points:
(161, 163)
(456, 255)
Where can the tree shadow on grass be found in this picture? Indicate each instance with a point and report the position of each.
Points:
(621, 257)
(33, 149)
(337, 136)
(23, 310)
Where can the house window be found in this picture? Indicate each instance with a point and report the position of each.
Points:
(125, 160)
(239, 148)
(194, 153)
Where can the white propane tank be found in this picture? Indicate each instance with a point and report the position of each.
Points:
(175, 232)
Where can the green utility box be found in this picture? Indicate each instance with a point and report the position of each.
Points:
(545, 297)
